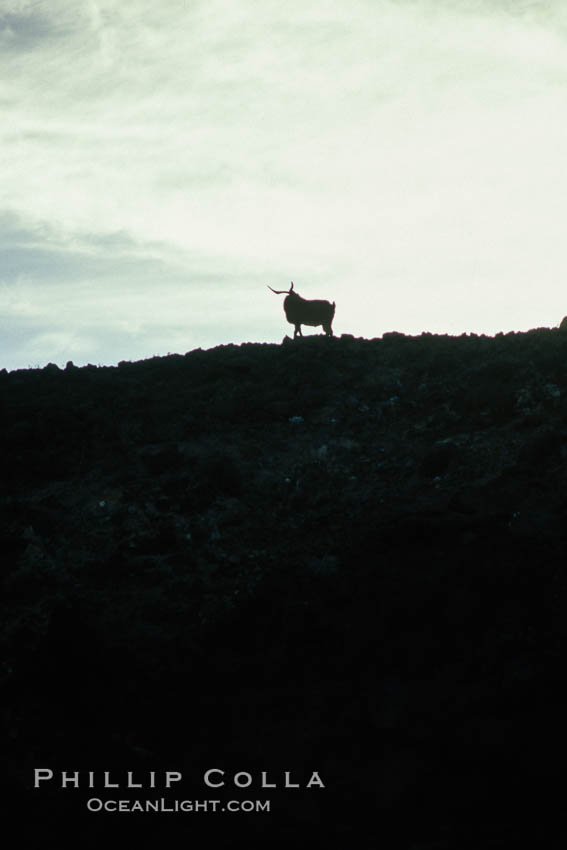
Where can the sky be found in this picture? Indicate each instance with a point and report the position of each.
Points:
(162, 163)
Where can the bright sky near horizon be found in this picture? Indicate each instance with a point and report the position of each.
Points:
(163, 162)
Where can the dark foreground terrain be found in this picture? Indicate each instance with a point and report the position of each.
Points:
(341, 556)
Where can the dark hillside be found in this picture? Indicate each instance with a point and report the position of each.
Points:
(333, 555)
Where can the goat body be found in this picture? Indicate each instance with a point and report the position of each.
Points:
(300, 311)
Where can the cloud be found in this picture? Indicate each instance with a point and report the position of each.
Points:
(403, 158)
(24, 28)
(103, 297)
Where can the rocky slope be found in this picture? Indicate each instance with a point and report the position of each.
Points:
(343, 556)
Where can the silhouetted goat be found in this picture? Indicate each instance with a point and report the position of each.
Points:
(299, 311)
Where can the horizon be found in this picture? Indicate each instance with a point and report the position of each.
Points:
(345, 336)
(163, 164)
